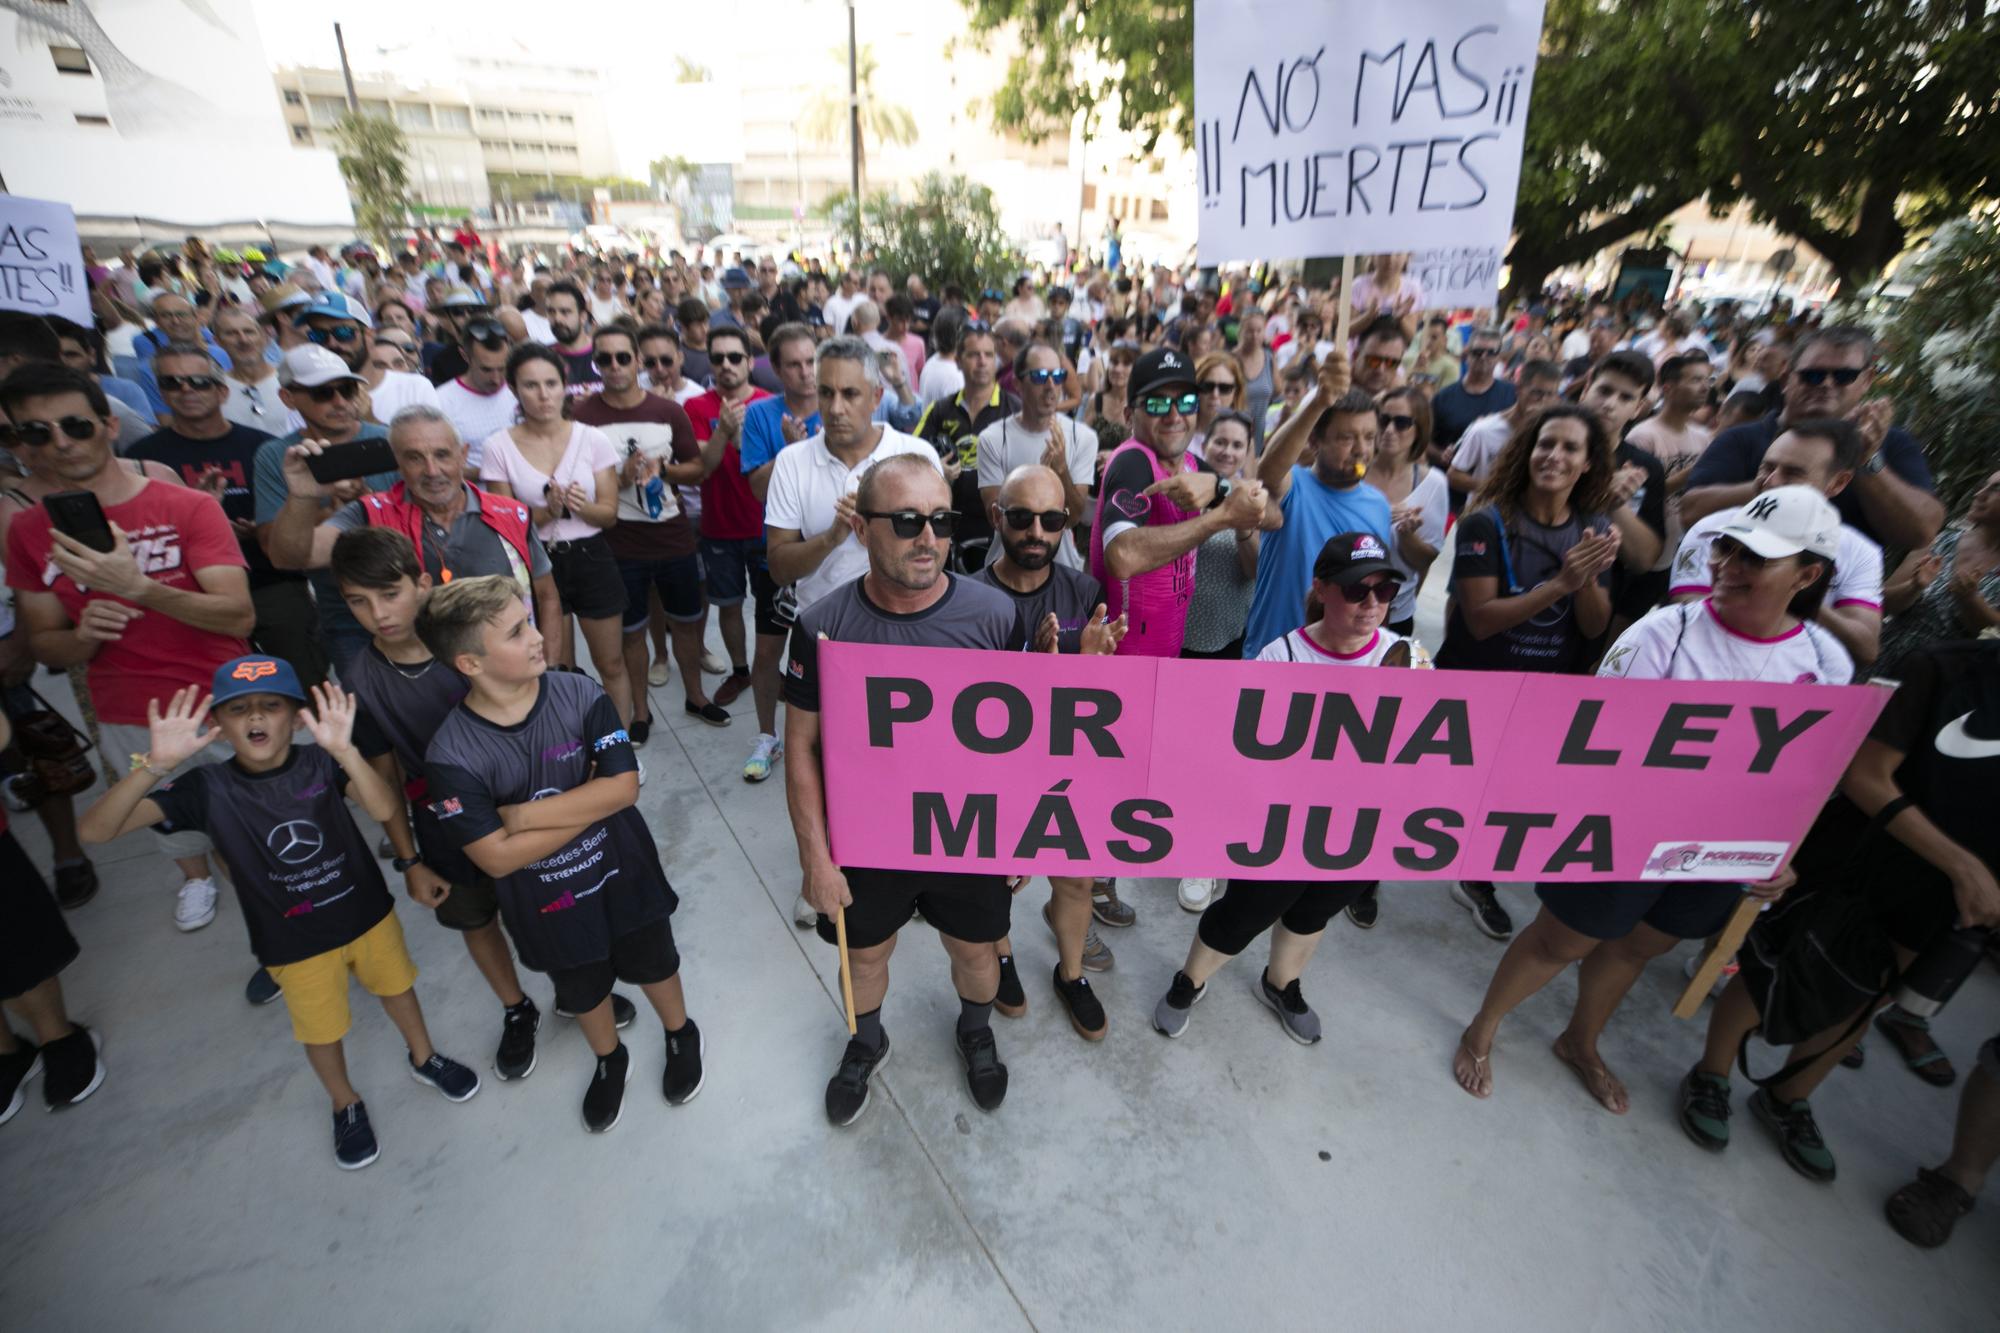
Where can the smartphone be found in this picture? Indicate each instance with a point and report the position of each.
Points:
(344, 462)
(77, 514)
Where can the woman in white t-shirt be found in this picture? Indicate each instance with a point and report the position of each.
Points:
(1353, 585)
(1419, 498)
(1771, 565)
(568, 475)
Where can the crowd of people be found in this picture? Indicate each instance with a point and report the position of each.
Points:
(376, 504)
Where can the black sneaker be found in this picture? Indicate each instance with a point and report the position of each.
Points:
(1086, 1015)
(622, 1011)
(847, 1090)
(1011, 1000)
(1301, 1024)
(75, 885)
(1487, 913)
(1797, 1135)
(71, 1068)
(15, 1071)
(640, 729)
(516, 1056)
(713, 714)
(684, 1072)
(354, 1143)
(448, 1076)
(604, 1100)
(262, 988)
(985, 1076)
(1364, 911)
(1705, 1110)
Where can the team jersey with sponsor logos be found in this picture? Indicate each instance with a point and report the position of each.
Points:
(174, 531)
(305, 876)
(401, 708)
(564, 910)
(969, 615)
(1689, 641)
(1298, 646)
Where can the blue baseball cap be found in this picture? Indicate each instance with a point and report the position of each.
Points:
(333, 305)
(256, 674)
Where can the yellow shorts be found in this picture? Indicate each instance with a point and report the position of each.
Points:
(315, 988)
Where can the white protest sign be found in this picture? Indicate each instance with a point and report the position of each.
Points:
(1344, 127)
(41, 264)
(1458, 277)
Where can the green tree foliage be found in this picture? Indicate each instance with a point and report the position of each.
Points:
(374, 159)
(825, 120)
(1852, 125)
(949, 232)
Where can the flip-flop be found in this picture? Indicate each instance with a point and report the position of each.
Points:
(1481, 1065)
(1932, 1066)
(1597, 1080)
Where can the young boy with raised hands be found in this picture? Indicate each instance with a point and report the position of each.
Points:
(533, 775)
(312, 896)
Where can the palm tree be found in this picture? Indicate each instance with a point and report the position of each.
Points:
(826, 115)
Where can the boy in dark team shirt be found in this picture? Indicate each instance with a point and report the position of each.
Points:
(533, 775)
(312, 897)
(404, 694)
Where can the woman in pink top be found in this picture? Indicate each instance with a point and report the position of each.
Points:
(568, 475)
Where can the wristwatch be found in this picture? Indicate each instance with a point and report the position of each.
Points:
(403, 863)
(1223, 486)
(1874, 464)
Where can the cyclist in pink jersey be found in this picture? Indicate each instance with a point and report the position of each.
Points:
(1157, 504)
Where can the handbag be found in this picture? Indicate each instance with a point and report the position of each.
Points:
(58, 754)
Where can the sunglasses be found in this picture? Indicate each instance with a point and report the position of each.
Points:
(660, 363)
(1845, 376)
(552, 500)
(1728, 548)
(339, 333)
(1047, 376)
(1482, 351)
(1377, 361)
(1020, 520)
(603, 359)
(1159, 404)
(1356, 593)
(35, 434)
(492, 337)
(1400, 422)
(326, 393)
(176, 383)
(907, 523)
(727, 358)
(1218, 388)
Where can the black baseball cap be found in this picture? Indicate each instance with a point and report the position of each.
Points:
(1351, 557)
(1156, 370)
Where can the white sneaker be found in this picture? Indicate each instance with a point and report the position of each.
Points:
(712, 664)
(804, 915)
(195, 907)
(768, 752)
(1195, 894)
(656, 674)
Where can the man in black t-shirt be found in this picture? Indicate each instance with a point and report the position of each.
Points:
(1061, 610)
(905, 598)
(952, 425)
(1615, 391)
(569, 321)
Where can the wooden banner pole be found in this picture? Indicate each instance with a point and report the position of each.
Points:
(1345, 316)
(846, 969)
(1725, 947)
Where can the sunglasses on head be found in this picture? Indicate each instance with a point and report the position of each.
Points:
(175, 383)
(603, 359)
(1046, 376)
(1728, 548)
(1160, 404)
(35, 434)
(326, 393)
(1383, 591)
(1399, 422)
(491, 336)
(339, 333)
(907, 523)
(728, 358)
(1222, 388)
(1020, 520)
(1844, 376)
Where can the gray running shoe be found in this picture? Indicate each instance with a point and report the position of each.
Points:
(1301, 1024)
(1170, 1015)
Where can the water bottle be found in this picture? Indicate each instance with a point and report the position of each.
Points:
(1935, 975)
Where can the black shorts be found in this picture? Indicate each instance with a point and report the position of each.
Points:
(975, 908)
(735, 567)
(640, 957)
(36, 943)
(1249, 907)
(587, 578)
(1611, 911)
(678, 581)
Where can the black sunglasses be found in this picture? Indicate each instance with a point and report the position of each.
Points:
(657, 362)
(339, 333)
(728, 358)
(326, 393)
(1399, 422)
(907, 523)
(603, 359)
(1052, 520)
(1482, 351)
(1159, 404)
(1728, 548)
(1356, 593)
(35, 434)
(1222, 387)
(1844, 376)
(486, 333)
(175, 383)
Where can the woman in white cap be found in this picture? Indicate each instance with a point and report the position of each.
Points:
(1770, 564)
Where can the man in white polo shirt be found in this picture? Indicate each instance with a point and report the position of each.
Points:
(807, 537)
(478, 402)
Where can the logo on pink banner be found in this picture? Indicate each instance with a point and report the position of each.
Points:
(1028, 763)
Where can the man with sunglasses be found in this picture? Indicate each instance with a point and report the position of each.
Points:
(459, 309)
(478, 402)
(1039, 434)
(157, 613)
(1891, 500)
(662, 357)
(175, 319)
(1477, 393)
(953, 425)
(901, 519)
(343, 327)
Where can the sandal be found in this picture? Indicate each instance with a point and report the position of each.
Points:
(1911, 1036)
(1480, 1083)
(1925, 1210)
(1597, 1080)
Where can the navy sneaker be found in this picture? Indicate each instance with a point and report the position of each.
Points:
(684, 1064)
(262, 987)
(448, 1076)
(354, 1143)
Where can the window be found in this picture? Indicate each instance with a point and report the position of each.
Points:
(1159, 210)
(1090, 196)
(294, 98)
(454, 118)
(376, 107)
(565, 120)
(70, 60)
(326, 110)
(413, 115)
(300, 134)
(489, 117)
(103, 122)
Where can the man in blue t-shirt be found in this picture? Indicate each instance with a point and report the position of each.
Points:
(1477, 393)
(1318, 502)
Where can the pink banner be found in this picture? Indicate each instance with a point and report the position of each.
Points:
(1038, 764)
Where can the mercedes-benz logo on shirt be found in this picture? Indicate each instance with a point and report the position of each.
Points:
(295, 840)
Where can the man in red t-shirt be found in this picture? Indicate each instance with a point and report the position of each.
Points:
(158, 613)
